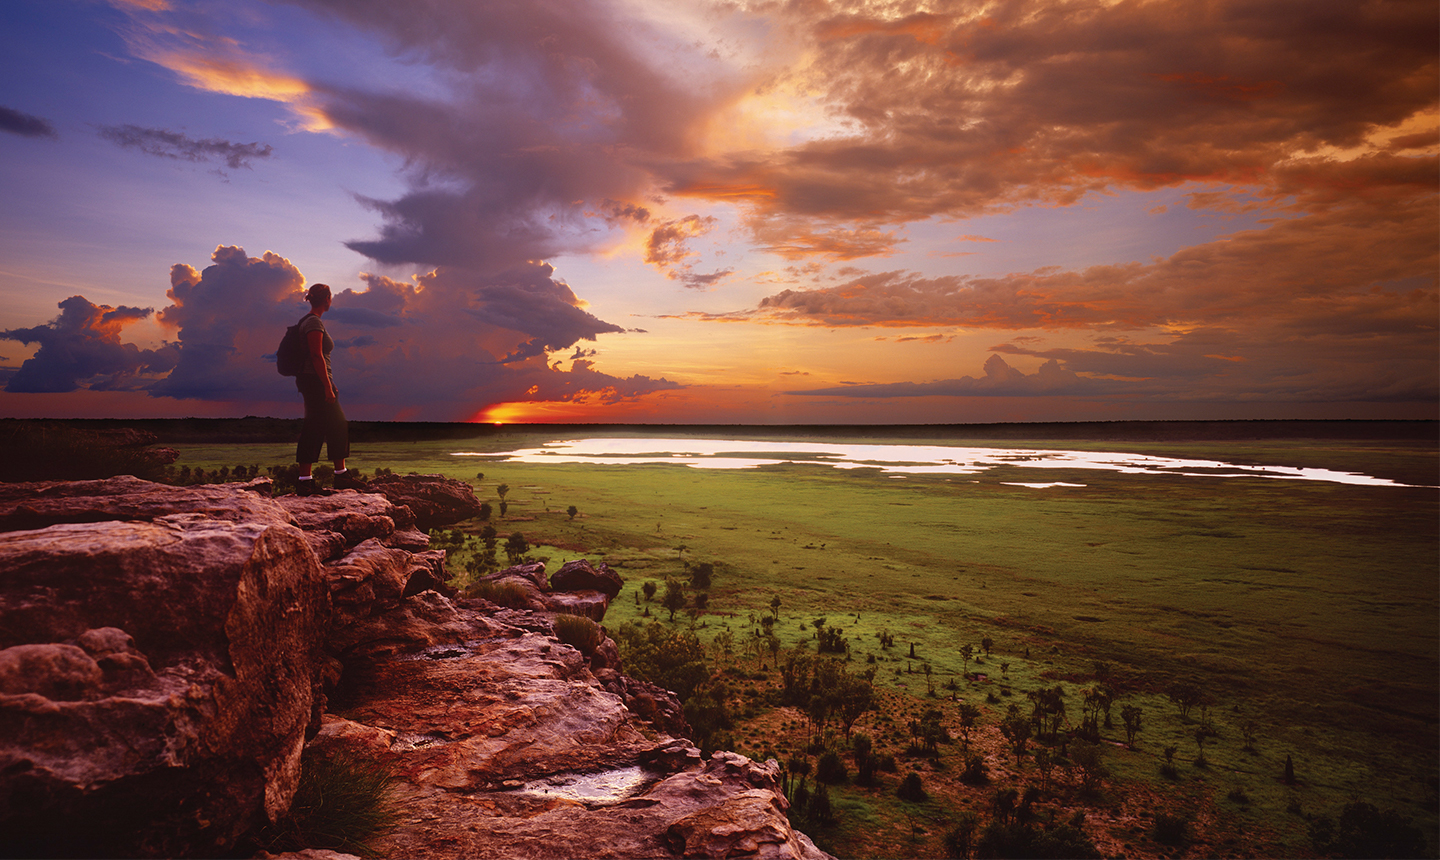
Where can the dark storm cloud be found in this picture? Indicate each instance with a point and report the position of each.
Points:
(552, 107)
(26, 125)
(81, 348)
(174, 145)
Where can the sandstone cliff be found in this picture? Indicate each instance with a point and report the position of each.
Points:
(167, 653)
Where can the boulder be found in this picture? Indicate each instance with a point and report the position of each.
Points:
(529, 596)
(532, 570)
(436, 501)
(357, 516)
(374, 577)
(581, 575)
(157, 678)
(590, 604)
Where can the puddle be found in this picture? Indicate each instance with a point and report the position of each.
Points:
(610, 786)
(897, 460)
(410, 741)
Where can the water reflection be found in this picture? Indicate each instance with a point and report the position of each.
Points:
(896, 460)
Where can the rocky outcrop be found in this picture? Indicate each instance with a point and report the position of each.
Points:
(511, 747)
(436, 501)
(158, 680)
(167, 651)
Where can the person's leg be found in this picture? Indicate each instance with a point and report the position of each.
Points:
(337, 445)
(312, 432)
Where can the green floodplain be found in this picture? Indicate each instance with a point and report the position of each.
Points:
(1305, 611)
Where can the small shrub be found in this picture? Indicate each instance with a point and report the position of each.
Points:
(830, 769)
(1238, 795)
(975, 772)
(1170, 829)
(886, 762)
(579, 632)
(912, 789)
(821, 812)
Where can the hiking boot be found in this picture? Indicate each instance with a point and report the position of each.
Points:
(308, 488)
(347, 481)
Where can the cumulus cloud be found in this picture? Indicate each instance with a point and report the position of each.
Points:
(26, 125)
(440, 346)
(81, 348)
(180, 147)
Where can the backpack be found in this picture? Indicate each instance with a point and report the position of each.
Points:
(293, 352)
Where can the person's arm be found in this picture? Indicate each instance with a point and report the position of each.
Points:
(316, 340)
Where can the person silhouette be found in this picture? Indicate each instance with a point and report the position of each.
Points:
(325, 422)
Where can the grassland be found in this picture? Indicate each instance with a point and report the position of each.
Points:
(1308, 609)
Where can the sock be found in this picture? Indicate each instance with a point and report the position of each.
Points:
(306, 478)
(341, 471)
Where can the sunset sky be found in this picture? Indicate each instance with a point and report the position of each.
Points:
(747, 212)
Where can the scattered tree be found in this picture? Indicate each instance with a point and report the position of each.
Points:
(969, 714)
(674, 599)
(700, 575)
(1130, 715)
(1044, 762)
(960, 839)
(649, 589)
(865, 764)
(1088, 758)
(1049, 710)
(516, 548)
(1251, 730)
(1185, 696)
(572, 511)
(1016, 729)
(986, 644)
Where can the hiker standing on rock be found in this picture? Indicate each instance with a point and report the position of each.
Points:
(324, 420)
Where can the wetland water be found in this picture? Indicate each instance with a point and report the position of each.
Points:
(897, 460)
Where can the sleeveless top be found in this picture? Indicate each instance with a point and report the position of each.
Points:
(310, 323)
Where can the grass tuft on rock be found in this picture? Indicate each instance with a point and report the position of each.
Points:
(342, 803)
